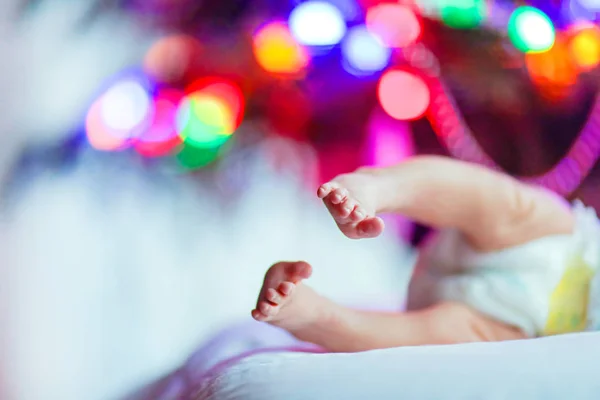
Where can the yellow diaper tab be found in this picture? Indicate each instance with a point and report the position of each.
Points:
(569, 301)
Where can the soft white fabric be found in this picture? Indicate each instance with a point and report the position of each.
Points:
(110, 273)
(512, 285)
(560, 367)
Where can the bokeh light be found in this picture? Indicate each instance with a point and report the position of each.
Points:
(573, 11)
(171, 57)
(204, 121)
(585, 47)
(191, 157)
(161, 137)
(591, 5)
(403, 95)
(207, 117)
(121, 113)
(317, 23)
(125, 106)
(224, 90)
(553, 71)
(290, 110)
(389, 141)
(530, 30)
(364, 53)
(396, 25)
(350, 9)
(462, 14)
(99, 136)
(277, 51)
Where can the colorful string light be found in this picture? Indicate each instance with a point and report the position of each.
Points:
(563, 178)
(364, 53)
(120, 114)
(197, 124)
(389, 141)
(278, 52)
(552, 71)
(161, 137)
(463, 14)
(591, 5)
(172, 57)
(530, 30)
(403, 95)
(585, 47)
(396, 25)
(206, 118)
(317, 23)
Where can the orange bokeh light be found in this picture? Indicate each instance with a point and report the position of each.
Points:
(554, 72)
(403, 95)
(553, 66)
(276, 50)
(396, 25)
(171, 57)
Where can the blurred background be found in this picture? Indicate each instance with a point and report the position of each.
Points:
(157, 156)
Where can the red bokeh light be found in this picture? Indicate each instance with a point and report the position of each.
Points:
(403, 95)
(161, 137)
(396, 25)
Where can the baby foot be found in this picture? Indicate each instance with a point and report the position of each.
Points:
(283, 301)
(352, 202)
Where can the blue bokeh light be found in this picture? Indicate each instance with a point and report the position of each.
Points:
(364, 53)
(317, 23)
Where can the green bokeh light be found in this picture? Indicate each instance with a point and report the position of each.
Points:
(204, 122)
(530, 30)
(191, 157)
(463, 14)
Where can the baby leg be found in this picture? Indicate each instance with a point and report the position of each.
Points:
(286, 302)
(443, 323)
(492, 210)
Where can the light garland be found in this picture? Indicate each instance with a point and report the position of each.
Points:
(452, 130)
(564, 178)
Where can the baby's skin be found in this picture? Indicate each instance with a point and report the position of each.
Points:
(493, 211)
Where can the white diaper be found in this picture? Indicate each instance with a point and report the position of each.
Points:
(544, 287)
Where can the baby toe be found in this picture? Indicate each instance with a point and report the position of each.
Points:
(325, 189)
(338, 196)
(370, 227)
(257, 315)
(273, 296)
(286, 288)
(358, 214)
(346, 208)
(298, 271)
(267, 309)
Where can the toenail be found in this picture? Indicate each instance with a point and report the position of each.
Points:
(264, 308)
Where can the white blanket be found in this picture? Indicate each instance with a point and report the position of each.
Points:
(109, 273)
(562, 367)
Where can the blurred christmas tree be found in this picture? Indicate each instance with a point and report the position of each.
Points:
(508, 84)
